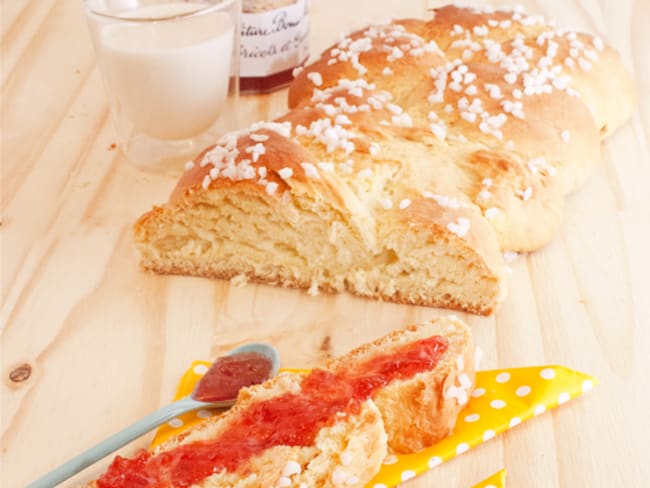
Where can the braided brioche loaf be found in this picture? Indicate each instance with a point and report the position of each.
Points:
(413, 154)
(398, 394)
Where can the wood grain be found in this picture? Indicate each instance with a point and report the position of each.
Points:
(107, 342)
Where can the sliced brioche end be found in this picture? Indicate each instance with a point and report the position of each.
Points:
(422, 410)
(235, 229)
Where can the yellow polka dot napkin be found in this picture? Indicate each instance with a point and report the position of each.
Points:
(501, 400)
(497, 480)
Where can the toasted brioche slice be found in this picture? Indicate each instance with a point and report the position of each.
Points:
(352, 448)
(348, 452)
(404, 390)
(421, 410)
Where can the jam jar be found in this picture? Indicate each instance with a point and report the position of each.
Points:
(274, 41)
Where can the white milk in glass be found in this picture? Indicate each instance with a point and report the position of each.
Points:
(169, 79)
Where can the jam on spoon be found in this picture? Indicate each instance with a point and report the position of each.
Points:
(244, 366)
(229, 374)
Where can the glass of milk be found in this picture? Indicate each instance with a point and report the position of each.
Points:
(171, 73)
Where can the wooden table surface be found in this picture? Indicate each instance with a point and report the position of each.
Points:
(107, 342)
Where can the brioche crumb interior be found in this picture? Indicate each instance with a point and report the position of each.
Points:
(308, 244)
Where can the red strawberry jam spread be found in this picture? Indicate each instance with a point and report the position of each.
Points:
(289, 419)
(229, 374)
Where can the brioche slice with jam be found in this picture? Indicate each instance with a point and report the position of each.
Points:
(264, 441)
(328, 428)
(420, 410)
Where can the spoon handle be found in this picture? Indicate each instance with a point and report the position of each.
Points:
(113, 443)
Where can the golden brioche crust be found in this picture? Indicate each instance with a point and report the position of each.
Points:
(412, 153)
(372, 231)
(510, 81)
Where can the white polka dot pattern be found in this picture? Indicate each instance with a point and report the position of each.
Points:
(498, 404)
(204, 414)
(407, 474)
(503, 377)
(390, 459)
(200, 369)
(497, 480)
(478, 392)
(523, 391)
(547, 373)
(488, 434)
(175, 423)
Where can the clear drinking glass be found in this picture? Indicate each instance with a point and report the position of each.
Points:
(171, 70)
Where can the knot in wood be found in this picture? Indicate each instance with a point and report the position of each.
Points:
(20, 373)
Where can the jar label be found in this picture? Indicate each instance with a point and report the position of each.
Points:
(274, 41)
